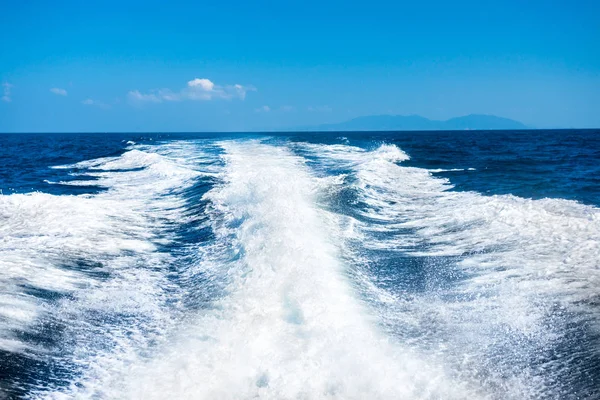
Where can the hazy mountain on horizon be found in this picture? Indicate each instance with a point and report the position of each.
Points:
(418, 123)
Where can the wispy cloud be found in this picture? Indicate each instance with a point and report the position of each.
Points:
(59, 91)
(280, 109)
(319, 109)
(198, 89)
(263, 109)
(135, 95)
(6, 92)
(95, 103)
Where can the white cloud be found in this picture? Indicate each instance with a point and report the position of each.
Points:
(6, 92)
(198, 89)
(319, 109)
(240, 91)
(204, 84)
(95, 103)
(59, 91)
(263, 109)
(137, 96)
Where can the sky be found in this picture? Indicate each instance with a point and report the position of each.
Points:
(229, 65)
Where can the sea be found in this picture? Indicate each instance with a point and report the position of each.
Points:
(336, 265)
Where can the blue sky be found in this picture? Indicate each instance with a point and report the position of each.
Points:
(242, 65)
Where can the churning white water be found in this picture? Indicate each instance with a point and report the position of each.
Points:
(289, 325)
(241, 269)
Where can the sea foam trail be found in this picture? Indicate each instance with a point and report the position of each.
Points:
(84, 276)
(512, 282)
(289, 325)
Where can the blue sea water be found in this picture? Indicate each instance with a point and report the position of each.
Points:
(415, 265)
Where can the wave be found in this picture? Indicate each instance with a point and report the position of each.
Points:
(437, 170)
(85, 275)
(511, 283)
(248, 268)
(289, 325)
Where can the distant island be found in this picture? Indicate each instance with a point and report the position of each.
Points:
(418, 123)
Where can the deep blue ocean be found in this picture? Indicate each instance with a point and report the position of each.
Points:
(348, 265)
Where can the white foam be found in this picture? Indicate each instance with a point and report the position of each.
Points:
(290, 325)
(437, 170)
(556, 237)
(521, 260)
(553, 238)
(45, 238)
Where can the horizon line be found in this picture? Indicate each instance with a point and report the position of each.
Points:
(299, 131)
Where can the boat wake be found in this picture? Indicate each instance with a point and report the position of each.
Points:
(274, 269)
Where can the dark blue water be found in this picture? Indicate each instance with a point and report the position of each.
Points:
(217, 265)
(532, 164)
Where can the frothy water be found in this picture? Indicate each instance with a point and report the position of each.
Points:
(507, 287)
(85, 275)
(277, 269)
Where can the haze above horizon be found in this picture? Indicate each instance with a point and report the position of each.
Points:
(234, 66)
